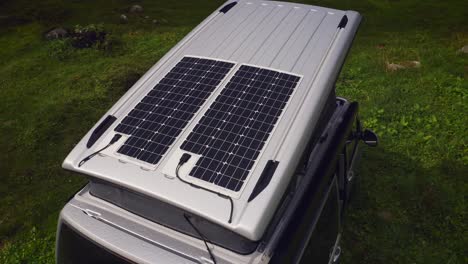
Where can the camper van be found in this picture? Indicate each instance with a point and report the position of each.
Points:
(233, 148)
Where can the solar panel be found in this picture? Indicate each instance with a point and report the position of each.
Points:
(157, 120)
(233, 131)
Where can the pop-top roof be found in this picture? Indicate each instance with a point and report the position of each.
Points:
(239, 96)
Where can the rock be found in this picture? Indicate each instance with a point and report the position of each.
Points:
(155, 21)
(394, 66)
(123, 18)
(146, 17)
(463, 50)
(403, 65)
(136, 9)
(56, 33)
(411, 64)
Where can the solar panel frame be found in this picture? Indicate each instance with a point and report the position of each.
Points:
(200, 106)
(259, 160)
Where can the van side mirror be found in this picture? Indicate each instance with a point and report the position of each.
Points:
(369, 138)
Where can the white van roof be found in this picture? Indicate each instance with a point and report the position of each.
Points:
(241, 94)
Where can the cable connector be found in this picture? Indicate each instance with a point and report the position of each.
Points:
(115, 138)
(184, 158)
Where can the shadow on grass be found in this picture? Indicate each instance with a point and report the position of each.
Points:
(404, 213)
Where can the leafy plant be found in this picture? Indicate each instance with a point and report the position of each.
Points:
(88, 36)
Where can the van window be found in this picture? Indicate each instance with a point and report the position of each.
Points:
(322, 242)
(305, 243)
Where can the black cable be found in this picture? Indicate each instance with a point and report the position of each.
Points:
(113, 140)
(182, 161)
(187, 217)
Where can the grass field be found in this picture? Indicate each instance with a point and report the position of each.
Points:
(410, 205)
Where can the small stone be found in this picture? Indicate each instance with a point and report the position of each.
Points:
(463, 50)
(394, 67)
(56, 33)
(146, 17)
(155, 21)
(136, 9)
(412, 64)
(403, 65)
(123, 18)
(416, 64)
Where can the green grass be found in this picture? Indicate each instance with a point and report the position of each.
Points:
(410, 202)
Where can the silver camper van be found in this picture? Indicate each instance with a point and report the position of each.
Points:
(233, 148)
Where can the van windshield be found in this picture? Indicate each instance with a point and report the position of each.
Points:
(171, 216)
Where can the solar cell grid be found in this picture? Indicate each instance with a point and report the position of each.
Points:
(156, 121)
(233, 131)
